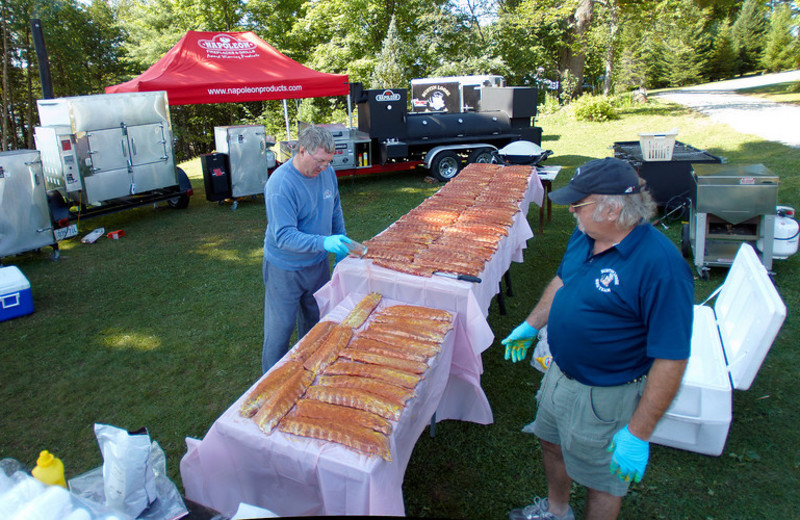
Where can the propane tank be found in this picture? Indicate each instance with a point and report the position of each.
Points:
(787, 231)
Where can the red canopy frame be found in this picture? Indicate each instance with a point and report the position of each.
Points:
(231, 67)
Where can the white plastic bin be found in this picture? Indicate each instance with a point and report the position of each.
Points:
(658, 147)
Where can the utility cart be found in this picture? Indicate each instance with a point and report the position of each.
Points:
(735, 204)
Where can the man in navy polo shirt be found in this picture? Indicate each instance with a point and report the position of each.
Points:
(619, 325)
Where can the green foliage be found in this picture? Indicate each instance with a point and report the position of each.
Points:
(749, 30)
(388, 71)
(723, 59)
(782, 48)
(593, 108)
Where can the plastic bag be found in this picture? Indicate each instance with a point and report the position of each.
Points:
(128, 482)
(541, 358)
(168, 504)
(22, 497)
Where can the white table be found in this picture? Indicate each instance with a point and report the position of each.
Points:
(295, 476)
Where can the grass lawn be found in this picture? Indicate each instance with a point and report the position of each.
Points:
(163, 329)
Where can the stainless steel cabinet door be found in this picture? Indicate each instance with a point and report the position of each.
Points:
(24, 215)
(151, 157)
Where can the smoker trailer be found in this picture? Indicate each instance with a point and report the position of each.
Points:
(389, 137)
(107, 152)
(735, 204)
(24, 215)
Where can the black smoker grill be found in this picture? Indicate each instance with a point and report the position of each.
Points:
(735, 204)
(669, 182)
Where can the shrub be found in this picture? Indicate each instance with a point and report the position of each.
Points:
(594, 108)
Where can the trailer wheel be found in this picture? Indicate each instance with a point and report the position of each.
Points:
(481, 155)
(686, 241)
(182, 200)
(445, 166)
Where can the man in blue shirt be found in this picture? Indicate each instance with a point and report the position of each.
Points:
(304, 224)
(619, 325)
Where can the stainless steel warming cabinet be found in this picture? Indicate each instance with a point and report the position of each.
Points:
(249, 158)
(735, 204)
(108, 151)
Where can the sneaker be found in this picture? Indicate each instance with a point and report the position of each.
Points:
(539, 510)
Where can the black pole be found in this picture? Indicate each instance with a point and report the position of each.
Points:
(41, 57)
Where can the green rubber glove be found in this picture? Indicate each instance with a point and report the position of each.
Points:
(519, 341)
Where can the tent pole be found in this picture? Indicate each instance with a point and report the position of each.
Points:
(349, 110)
(286, 118)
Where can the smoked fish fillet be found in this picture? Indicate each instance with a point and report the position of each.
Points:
(356, 399)
(394, 393)
(268, 386)
(283, 400)
(362, 310)
(363, 440)
(408, 331)
(379, 347)
(430, 348)
(423, 324)
(311, 341)
(413, 311)
(342, 414)
(328, 351)
(415, 367)
(386, 374)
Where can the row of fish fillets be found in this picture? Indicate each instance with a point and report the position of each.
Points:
(457, 229)
(349, 382)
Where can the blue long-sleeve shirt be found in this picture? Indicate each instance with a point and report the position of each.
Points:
(301, 212)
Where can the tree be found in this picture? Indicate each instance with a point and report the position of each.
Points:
(723, 59)
(781, 50)
(389, 72)
(572, 61)
(748, 34)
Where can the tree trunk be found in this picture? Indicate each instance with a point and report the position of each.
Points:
(4, 107)
(573, 59)
(613, 12)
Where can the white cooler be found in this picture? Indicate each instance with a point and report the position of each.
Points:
(729, 343)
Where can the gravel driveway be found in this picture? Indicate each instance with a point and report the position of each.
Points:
(746, 114)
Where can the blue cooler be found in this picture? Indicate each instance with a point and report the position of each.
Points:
(15, 293)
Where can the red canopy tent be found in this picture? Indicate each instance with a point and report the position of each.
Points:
(230, 67)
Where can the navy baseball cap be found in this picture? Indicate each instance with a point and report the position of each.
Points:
(607, 176)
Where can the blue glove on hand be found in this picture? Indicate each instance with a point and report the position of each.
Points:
(336, 244)
(518, 342)
(630, 454)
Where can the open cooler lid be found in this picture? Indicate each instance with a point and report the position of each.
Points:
(749, 314)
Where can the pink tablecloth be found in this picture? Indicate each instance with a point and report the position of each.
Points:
(235, 462)
(463, 399)
(293, 476)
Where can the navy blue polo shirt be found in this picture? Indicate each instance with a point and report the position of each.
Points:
(621, 309)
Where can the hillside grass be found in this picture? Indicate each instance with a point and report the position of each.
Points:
(163, 329)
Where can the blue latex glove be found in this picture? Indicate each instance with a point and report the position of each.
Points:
(630, 455)
(519, 341)
(336, 244)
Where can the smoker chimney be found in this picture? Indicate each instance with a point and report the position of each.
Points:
(41, 57)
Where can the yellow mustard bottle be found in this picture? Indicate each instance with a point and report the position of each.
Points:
(49, 470)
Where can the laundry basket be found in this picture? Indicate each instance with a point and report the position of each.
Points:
(658, 147)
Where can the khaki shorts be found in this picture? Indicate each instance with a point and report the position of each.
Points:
(582, 420)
